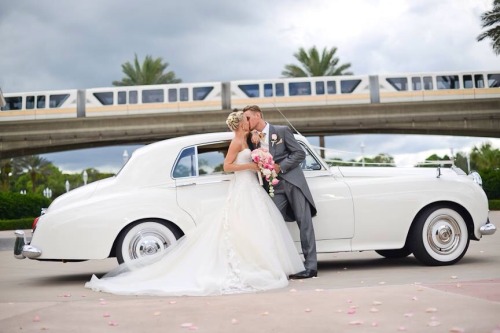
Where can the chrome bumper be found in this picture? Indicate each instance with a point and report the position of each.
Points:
(22, 249)
(488, 228)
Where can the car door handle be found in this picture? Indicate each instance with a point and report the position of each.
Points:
(183, 185)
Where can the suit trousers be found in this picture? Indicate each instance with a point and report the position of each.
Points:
(289, 197)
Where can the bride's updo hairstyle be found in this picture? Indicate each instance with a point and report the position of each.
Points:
(233, 120)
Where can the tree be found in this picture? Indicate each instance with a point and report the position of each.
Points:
(491, 20)
(315, 65)
(151, 72)
(35, 166)
(485, 157)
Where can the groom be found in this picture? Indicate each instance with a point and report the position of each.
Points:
(291, 195)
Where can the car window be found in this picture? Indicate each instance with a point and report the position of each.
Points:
(310, 162)
(201, 160)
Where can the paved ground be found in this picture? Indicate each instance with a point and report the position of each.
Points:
(355, 292)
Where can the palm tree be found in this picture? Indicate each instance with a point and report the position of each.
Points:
(492, 19)
(35, 166)
(151, 72)
(315, 65)
(485, 157)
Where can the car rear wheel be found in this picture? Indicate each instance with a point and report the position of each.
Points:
(439, 236)
(395, 254)
(143, 239)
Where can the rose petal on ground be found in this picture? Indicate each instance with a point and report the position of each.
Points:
(318, 289)
(381, 282)
(414, 298)
(307, 310)
(112, 323)
(356, 322)
(157, 313)
(374, 324)
(106, 315)
(430, 310)
(376, 303)
(453, 276)
(234, 321)
(457, 330)
(408, 314)
(265, 313)
(293, 290)
(186, 325)
(103, 302)
(351, 311)
(172, 302)
(36, 318)
(193, 328)
(401, 328)
(433, 323)
(373, 310)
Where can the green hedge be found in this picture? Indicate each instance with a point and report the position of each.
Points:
(16, 206)
(24, 223)
(494, 204)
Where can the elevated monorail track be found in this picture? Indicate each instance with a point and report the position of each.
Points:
(478, 117)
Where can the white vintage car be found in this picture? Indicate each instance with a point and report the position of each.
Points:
(166, 188)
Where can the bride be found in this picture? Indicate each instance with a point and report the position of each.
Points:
(246, 248)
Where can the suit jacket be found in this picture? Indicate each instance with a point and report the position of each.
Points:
(288, 153)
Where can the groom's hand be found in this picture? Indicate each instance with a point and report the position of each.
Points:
(277, 168)
(255, 137)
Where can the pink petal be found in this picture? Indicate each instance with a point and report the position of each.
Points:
(234, 321)
(356, 322)
(401, 328)
(373, 310)
(374, 324)
(36, 318)
(293, 290)
(193, 328)
(351, 311)
(307, 310)
(376, 303)
(172, 302)
(112, 323)
(157, 313)
(106, 315)
(265, 313)
(430, 310)
(433, 323)
(408, 314)
(457, 330)
(186, 325)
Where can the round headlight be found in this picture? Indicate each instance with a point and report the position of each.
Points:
(476, 178)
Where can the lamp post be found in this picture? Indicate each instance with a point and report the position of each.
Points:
(67, 185)
(362, 154)
(125, 156)
(85, 177)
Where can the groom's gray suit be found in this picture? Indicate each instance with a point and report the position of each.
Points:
(292, 195)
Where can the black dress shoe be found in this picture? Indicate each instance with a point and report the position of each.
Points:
(308, 273)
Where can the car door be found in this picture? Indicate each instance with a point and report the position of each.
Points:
(333, 200)
(201, 183)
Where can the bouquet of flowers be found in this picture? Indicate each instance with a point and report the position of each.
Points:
(265, 162)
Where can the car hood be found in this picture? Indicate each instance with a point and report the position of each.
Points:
(361, 172)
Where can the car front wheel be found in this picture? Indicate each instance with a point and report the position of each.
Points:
(145, 238)
(439, 236)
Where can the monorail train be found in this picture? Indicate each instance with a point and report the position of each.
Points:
(284, 92)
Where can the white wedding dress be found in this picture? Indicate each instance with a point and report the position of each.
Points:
(246, 248)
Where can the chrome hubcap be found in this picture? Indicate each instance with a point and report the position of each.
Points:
(443, 234)
(147, 242)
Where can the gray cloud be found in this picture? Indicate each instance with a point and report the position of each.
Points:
(49, 45)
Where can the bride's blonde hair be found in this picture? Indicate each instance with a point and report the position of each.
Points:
(234, 119)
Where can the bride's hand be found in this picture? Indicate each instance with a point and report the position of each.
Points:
(255, 137)
(254, 167)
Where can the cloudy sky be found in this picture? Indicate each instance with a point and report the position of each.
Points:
(51, 45)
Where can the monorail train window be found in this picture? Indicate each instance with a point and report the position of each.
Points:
(320, 88)
(331, 87)
(399, 83)
(132, 97)
(106, 98)
(268, 90)
(299, 88)
(184, 94)
(13, 103)
(348, 86)
(447, 82)
(153, 96)
(428, 83)
(479, 81)
(280, 89)
(122, 97)
(494, 80)
(56, 101)
(251, 90)
(416, 83)
(30, 102)
(200, 93)
(468, 82)
(40, 102)
(172, 95)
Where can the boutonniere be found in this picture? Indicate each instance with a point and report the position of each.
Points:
(275, 139)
